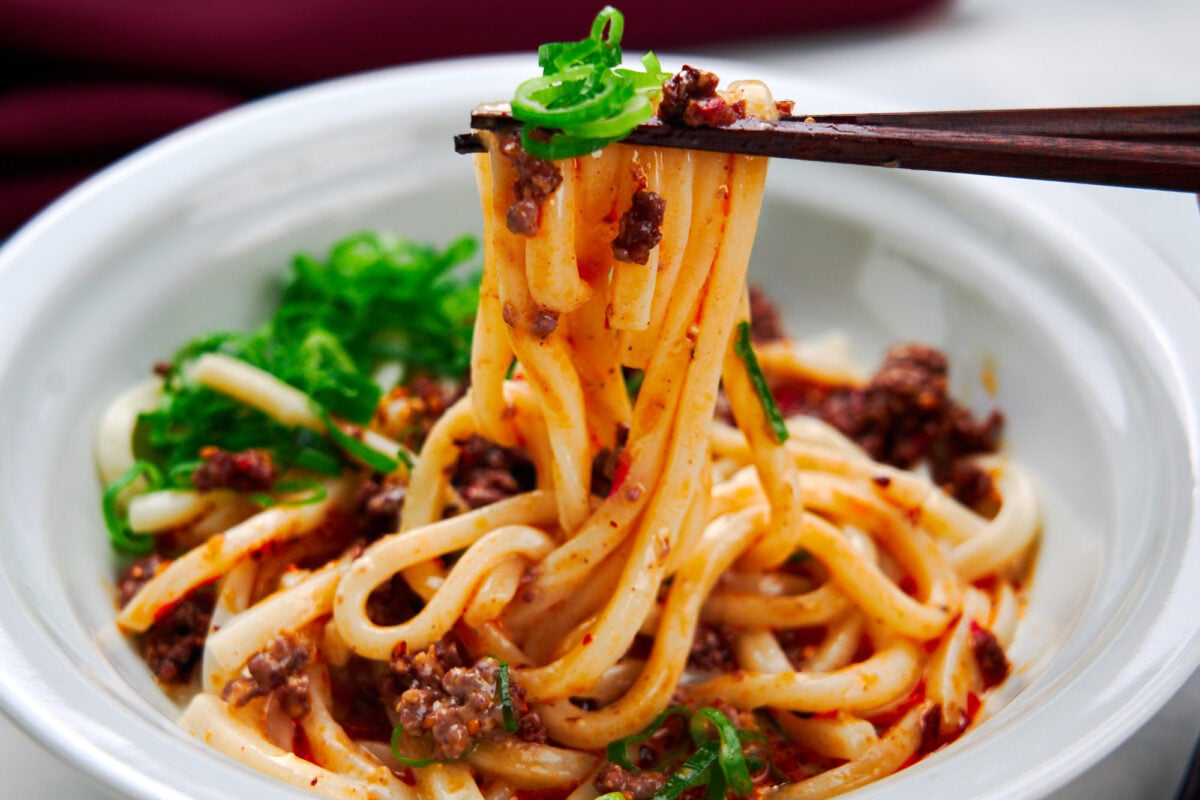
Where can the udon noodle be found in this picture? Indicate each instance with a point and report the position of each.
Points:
(861, 610)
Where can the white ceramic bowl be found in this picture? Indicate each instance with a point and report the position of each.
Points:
(1089, 333)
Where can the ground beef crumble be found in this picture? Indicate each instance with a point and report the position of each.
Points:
(606, 461)
(137, 575)
(485, 472)
(712, 649)
(172, 646)
(766, 325)
(277, 670)
(989, 654)
(426, 399)
(245, 471)
(636, 785)
(690, 98)
(904, 416)
(438, 691)
(537, 179)
(380, 500)
(639, 230)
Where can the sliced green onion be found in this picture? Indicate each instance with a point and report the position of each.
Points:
(374, 459)
(562, 145)
(505, 691)
(649, 82)
(317, 461)
(716, 784)
(557, 56)
(572, 97)
(181, 474)
(618, 751)
(119, 533)
(636, 110)
(310, 490)
(730, 756)
(741, 346)
(584, 100)
(696, 771)
(612, 19)
(397, 735)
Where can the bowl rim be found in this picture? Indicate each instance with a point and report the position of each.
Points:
(224, 137)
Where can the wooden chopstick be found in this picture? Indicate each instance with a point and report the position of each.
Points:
(1151, 147)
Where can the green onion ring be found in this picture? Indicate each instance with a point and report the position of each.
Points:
(614, 20)
(313, 491)
(618, 750)
(397, 734)
(120, 534)
(380, 462)
(535, 100)
(562, 145)
(693, 772)
(730, 758)
(180, 474)
(636, 110)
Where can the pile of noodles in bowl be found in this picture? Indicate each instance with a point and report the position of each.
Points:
(1044, 308)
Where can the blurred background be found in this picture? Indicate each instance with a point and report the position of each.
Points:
(84, 82)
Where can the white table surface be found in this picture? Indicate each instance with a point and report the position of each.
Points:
(972, 54)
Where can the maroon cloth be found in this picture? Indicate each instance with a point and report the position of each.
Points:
(83, 82)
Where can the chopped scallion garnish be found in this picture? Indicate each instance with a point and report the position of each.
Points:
(618, 750)
(583, 100)
(743, 349)
(375, 302)
(397, 736)
(504, 689)
(695, 771)
(298, 492)
(120, 534)
(730, 757)
(357, 448)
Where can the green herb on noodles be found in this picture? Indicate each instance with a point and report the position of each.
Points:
(504, 689)
(357, 448)
(584, 100)
(719, 762)
(695, 771)
(730, 757)
(376, 302)
(397, 735)
(743, 349)
(120, 534)
(298, 492)
(618, 751)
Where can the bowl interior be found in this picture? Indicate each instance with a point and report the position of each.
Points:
(1086, 379)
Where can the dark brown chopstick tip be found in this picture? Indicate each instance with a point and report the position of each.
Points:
(466, 143)
(1146, 147)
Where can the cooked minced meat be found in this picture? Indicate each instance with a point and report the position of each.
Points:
(437, 691)
(280, 670)
(485, 472)
(640, 228)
